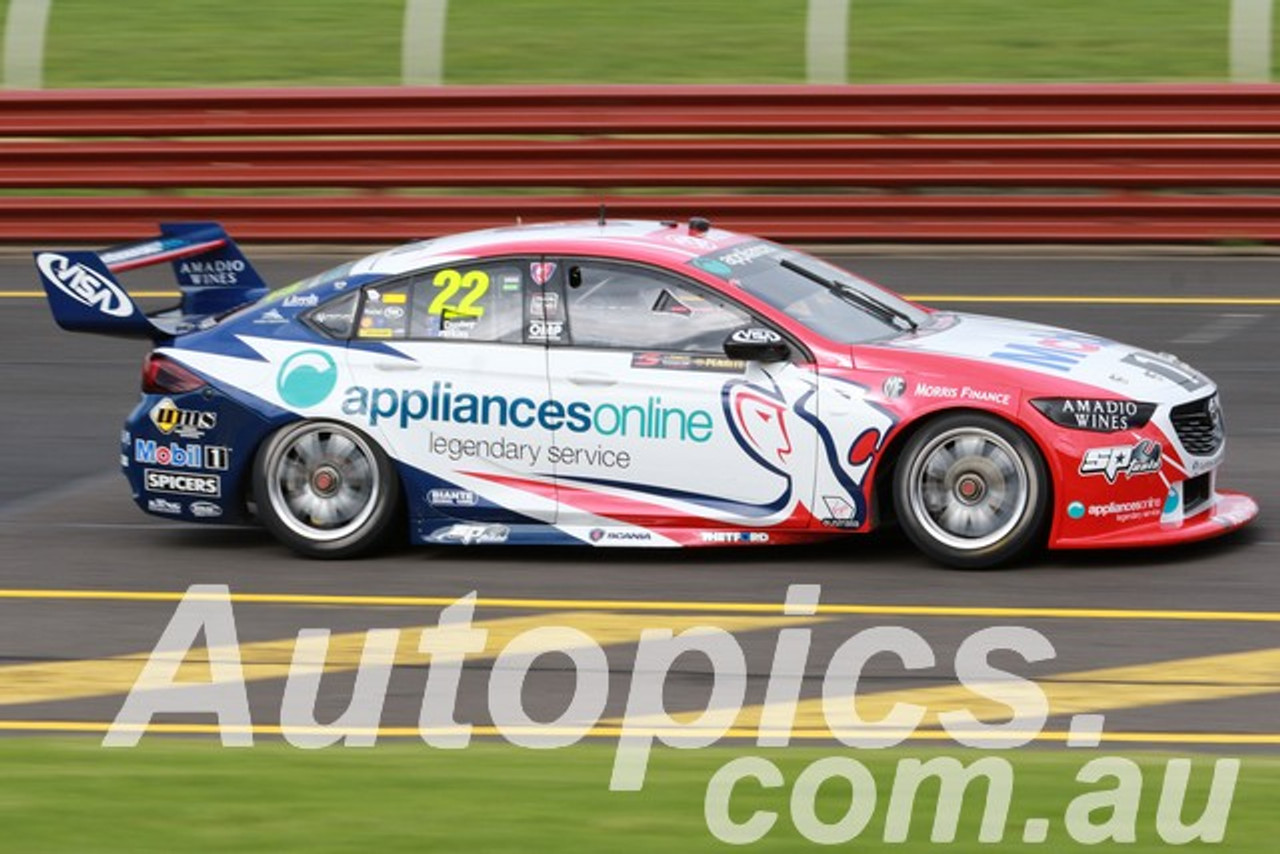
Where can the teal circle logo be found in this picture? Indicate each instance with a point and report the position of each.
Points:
(307, 378)
(1075, 510)
(1171, 502)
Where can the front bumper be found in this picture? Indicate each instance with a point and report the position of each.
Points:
(1226, 512)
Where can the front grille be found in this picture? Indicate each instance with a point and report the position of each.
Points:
(1196, 492)
(1199, 426)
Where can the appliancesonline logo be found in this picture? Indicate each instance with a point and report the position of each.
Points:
(442, 403)
(307, 378)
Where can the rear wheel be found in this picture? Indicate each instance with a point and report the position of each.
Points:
(972, 491)
(325, 490)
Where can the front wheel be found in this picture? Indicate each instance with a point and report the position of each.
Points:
(972, 491)
(325, 490)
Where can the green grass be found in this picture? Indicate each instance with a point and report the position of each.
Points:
(165, 796)
(339, 42)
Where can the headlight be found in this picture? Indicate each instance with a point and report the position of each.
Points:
(1095, 415)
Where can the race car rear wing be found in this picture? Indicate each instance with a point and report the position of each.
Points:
(213, 276)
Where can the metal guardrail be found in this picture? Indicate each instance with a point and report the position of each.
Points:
(833, 163)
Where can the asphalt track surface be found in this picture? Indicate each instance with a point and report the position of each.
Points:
(1176, 647)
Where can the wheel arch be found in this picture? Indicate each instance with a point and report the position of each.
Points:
(882, 501)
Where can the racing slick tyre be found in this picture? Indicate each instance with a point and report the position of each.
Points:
(971, 491)
(325, 490)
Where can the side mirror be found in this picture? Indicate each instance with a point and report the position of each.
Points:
(756, 344)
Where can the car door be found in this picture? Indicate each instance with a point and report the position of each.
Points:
(448, 382)
(662, 429)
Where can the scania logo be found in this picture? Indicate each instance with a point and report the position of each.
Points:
(307, 378)
(84, 285)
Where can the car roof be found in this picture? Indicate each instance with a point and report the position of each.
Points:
(639, 240)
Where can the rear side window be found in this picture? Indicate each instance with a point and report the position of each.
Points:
(337, 317)
(385, 312)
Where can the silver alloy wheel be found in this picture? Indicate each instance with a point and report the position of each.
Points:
(322, 481)
(969, 488)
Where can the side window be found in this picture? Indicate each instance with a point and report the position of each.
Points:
(634, 308)
(473, 302)
(385, 312)
(336, 317)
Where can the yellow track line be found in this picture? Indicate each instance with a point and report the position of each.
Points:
(1032, 299)
(831, 609)
(1133, 737)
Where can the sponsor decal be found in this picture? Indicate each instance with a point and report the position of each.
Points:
(141, 250)
(1142, 458)
(219, 272)
(187, 423)
(84, 285)
(205, 510)
(442, 403)
(546, 304)
(1098, 416)
(1127, 511)
(1057, 350)
(397, 298)
(741, 256)
(600, 535)
(542, 271)
(270, 317)
(1076, 510)
(544, 330)
(163, 505)
(1169, 367)
(689, 241)
(452, 498)
(453, 328)
(929, 390)
(471, 535)
(1171, 502)
(727, 537)
(755, 335)
(1232, 519)
(214, 457)
(301, 301)
(307, 378)
(393, 312)
(207, 485)
(840, 513)
(686, 362)
(893, 387)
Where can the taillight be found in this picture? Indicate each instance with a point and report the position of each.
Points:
(162, 375)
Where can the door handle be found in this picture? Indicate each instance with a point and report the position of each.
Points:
(397, 366)
(592, 378)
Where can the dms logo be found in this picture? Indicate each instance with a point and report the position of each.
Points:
(84, 284)
(189, 423)
(307, 378)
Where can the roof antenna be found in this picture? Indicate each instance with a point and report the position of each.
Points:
(603, 211)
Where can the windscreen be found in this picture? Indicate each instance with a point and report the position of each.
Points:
(828, 309)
